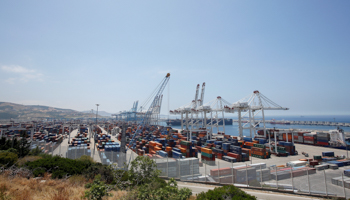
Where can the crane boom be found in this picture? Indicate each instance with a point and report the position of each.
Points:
(202, 95)
(146, 120)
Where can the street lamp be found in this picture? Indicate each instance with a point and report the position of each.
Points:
(97, 113)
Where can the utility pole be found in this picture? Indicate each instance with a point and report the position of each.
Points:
(97, 114)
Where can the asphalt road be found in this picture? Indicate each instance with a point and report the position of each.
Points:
(261, 195)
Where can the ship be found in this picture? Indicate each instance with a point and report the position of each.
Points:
(177, 122)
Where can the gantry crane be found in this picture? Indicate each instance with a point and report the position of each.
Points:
(253, 105)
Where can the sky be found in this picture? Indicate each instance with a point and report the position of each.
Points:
(75, 54)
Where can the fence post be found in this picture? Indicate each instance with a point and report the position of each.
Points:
(219, 170)
(325, 182)
(205, 171)
(180, 169)
(276, 177)
(60, 148)
(261, 177)
(192, 171)
(308, 180)
(246, 174)
(233, 182)
(291, 174)
(342, 177)
(112, 156)
(167, 166)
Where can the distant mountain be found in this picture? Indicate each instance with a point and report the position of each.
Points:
(102, 113)
(18, 111)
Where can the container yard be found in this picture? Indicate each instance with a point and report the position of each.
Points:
(201, 150)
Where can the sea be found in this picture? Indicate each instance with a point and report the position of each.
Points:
(233, 129)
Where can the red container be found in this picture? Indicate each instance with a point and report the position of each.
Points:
(322, 143)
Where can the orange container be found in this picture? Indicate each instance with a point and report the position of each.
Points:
(249, 144)
(289, 137)
(206, 150)
(260, 153)
(168, 149)
(157, 148)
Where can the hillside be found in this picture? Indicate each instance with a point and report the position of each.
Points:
(101, 113)
(19, 111)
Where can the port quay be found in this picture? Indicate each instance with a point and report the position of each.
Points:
(319, 123)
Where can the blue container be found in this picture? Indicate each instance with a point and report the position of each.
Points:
(322, 140)
(226, 146)
(288, 144)
(220, 151)
(247, 139)
(218, 142)
(245, 155)
(328, 153)
(177, 150)
(210, 141)
(163, 153)
(339, 164)
(229, 159)
(347, 172)
(176, 154)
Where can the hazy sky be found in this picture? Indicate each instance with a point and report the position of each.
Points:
(74, 54)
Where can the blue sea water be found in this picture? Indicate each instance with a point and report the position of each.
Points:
(233, 129)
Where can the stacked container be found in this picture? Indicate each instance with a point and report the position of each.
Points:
(259, 151)
(309, 138)
(207, 154)
(322, 138)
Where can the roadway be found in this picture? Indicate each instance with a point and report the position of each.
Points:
(261, 195)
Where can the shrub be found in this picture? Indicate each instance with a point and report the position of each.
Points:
(77, 180)
(97, 168)
(97, 189)
(143, 170)
(162, 190)
(7, 159)
(225, 192)
(58, 166)
(26, 159)
(35, 152)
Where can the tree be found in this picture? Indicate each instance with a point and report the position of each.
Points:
(24, 145)
(143, 170)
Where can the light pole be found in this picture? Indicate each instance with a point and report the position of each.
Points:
(97, 114)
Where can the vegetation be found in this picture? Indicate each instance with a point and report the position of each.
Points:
(58, 175)
(20, 147)
(7, 159)
(143, 170)
(225, 192)
(65, 167)
(98, 189)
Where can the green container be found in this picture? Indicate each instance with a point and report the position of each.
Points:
(207, 155)
(260, 146)
(187, 143)
(281, 151)
(281, 148)
(317, 157)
